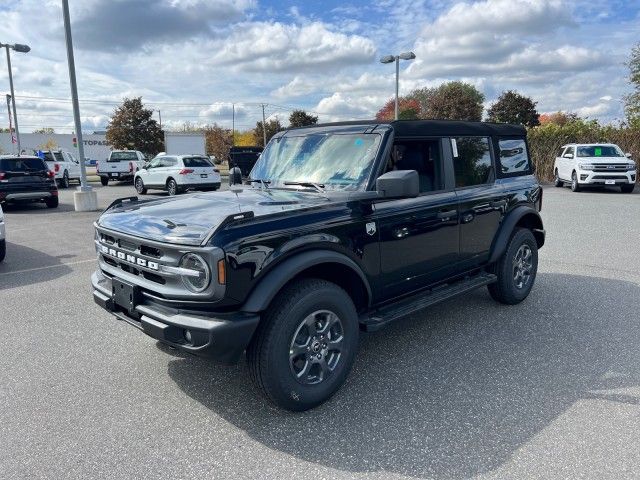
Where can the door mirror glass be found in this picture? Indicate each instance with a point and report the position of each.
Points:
(568, 155)
(628, 155)
(398, 184)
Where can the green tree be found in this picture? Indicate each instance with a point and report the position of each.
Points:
(45, 130)
(300, 118)
(632, 101)
(273, 127)
(511, 107)
(132, 127)
(450, 101)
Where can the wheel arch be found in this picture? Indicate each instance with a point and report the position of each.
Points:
(520, 217)
(324, 264)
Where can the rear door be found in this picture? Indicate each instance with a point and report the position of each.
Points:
(482, 201)
(73, 165)
(198, 170)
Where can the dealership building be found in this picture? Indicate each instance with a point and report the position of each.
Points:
(95, 145)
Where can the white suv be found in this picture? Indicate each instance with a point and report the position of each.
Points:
(594, 164)
(178, 173)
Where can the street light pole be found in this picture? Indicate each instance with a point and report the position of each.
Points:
(85, 199)
(396, 59)
(13, 98)
(9, 117)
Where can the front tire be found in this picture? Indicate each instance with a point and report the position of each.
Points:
(627, 188)
(140, 188)
(305, 345)
(64, 183)
(575, 186)
(557, 182)
(104, 181)
(516, 269)
(172, 187)
(3, 249)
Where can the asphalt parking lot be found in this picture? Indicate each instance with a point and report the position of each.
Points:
(546, 389)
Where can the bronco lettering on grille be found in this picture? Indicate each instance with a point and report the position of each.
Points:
(112, 252)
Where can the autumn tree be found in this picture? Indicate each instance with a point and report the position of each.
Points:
(244, 139)
(511, 107)
(300, 118)
(558, 118)
(218, 141)
(408, 109)
(273, 127)
(45, 131)
(632, 101)
(450, 101)
(132, 127)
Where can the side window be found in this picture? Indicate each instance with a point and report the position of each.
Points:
(561, 152)
(514, 157)
(570, 150)
(471, 160)
(155, 163)
(424, 157)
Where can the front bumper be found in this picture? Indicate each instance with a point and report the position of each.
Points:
(589, 177)
(222, 337)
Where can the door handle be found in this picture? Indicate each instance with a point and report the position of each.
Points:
(446, 213)
(498, 203)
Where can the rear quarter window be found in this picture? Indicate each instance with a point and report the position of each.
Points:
(513, 156)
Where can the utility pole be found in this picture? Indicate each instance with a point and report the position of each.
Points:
(85, 198)
(233, 124)
(160, 118)
(264, 129)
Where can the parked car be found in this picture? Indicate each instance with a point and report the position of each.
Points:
(3, 236)
(345, 227)
(27, 179)
(63, 164)
(594, 164)
(177, 174)
(244, 158)
(121, 165)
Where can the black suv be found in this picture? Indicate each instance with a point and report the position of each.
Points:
(27, 179)
(341, 228)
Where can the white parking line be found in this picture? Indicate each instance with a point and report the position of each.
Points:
(48, 267)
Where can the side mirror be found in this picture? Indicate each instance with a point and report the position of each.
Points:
(235, 176)
(628, 155)
(398, 184)
(568, 155)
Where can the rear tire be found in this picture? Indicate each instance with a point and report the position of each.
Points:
(557, 182)
(627, 188)
(516, 269)
(575, 186)
(104, 181)
(139, 184)
(305, 345)
(64, 183)
(3, 249)
(52, 202)
(172, 187)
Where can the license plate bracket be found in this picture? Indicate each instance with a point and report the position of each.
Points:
(609, 182)
(203, 175)
(124, 294)
(115, 175)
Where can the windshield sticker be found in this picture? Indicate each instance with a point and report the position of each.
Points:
(454, 147)
(358, 142)
(598, 152)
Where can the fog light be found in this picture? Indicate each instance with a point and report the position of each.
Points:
(188, 337)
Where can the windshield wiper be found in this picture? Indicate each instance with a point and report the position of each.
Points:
(318, 186)
(263, 183)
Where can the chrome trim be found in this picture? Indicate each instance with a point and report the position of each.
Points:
(180, 271)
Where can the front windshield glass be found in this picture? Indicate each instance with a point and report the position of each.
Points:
(336, 161)
(600, 151)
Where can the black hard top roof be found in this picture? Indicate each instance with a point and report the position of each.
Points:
(421, 128)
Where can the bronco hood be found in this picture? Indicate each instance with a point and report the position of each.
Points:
(189, 219)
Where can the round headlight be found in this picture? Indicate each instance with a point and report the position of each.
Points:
(197, 280)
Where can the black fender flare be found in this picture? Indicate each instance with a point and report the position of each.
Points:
(509, 224)
(261, 296)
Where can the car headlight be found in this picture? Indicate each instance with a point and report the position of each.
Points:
(631, 167)
(586, 166)
(196, 275)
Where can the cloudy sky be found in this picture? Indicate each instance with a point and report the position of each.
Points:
(191, 59)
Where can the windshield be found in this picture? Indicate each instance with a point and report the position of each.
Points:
(119, 156)
(337, 161)
(600, 151)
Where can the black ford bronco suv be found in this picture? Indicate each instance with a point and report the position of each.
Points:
(340, 228)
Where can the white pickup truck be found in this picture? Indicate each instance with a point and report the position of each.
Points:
(65, 166)
(121, 165)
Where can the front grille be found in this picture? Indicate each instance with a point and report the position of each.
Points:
(607, 167)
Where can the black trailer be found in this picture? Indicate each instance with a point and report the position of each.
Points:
(244, 158)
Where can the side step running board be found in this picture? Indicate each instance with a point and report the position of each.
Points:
(390, 313)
